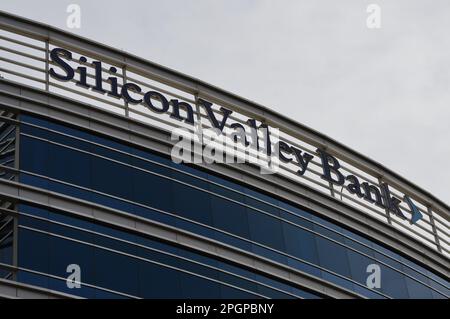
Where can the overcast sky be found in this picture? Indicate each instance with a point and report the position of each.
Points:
(383, 92)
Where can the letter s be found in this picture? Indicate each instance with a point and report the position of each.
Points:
(55, 56)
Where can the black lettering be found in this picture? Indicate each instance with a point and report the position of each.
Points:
(212, 118)
(286, 149)
(98, 77)
(392, 203)
(302, 159)
(330, 165)
(354, 187)
(372, 189)
(126, 94)
(157, 96)
(83, 74)
(55, 57)
(176, 111)
(113, 81)
(239, 135)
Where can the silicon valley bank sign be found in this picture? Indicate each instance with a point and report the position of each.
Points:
(184, 112)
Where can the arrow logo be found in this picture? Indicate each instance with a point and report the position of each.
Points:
(415, 212)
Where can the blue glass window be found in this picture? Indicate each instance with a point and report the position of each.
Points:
(141, 186)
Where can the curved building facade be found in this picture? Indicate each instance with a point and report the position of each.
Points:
(95, 206)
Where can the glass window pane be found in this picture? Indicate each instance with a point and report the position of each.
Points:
(300, 243)
(333, 256)
(158, 282)
(266, 230)
(112, 178)
(195, 287)
(229, 216)
(116, 272)
(192, 203)
(151, 190)
(69, 165)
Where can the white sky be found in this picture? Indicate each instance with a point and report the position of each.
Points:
(383, 92)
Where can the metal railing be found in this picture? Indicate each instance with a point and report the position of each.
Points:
(24, 58)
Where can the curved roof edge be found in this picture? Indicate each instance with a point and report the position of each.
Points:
(43, 31)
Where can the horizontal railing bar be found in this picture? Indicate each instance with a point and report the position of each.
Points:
(26, 55)
(32, 46)
(19, 74)
(86, 95)
(25, 65)
(159, 89)
(401, 226)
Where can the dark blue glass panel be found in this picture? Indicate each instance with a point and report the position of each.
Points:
(267, 292)
(333, 256)
(153, 191)
(238, 282)
(33, 223)
(69, 165)
(227, 292)
(358, 266)
(143, 187)
(305, 267)
(257, 204)
(236, 242)
(266, 230)
(34, 253)
(300, 243)
(269, 253)
(33, 279)
(294, 210)
(33, 155)
(110, 143)
(288, 217)
(338, 280)
(117, 272)
(111, 178)
(417, 290)
(54, 126)
(392, 283)
(64, 253)
(192, 203)
(72, 191)
(196, 287)
(368, 293)
(153, 157)
(222, 181)
(229, 216)
(158, 282)
(150, 166)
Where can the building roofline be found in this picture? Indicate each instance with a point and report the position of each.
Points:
(43, 31)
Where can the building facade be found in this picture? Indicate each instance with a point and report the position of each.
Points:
(89, 190)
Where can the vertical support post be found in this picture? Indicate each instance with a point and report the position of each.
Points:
(198, 126)
(330, 184)
(388, 214)
(331, 187)
(16, 221)
(433, 227)
(124, 80)
(47, 65)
